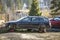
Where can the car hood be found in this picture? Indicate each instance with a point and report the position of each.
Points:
(11, 22)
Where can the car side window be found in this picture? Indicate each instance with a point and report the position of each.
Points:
(41, 19)
(26, 19)
(37, 19)
(45, 19)
(56, 19)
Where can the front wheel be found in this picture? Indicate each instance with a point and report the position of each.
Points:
(29, 29)
(12, 27)
(42, 29)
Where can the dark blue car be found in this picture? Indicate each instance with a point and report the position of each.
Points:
(30, 22)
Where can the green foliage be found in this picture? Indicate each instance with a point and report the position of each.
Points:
(18, 2)
(35, 10)
(55, 7)
(0, 7)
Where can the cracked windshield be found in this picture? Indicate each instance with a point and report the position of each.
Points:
(29, 19)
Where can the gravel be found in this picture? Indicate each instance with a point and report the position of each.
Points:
(30, 36)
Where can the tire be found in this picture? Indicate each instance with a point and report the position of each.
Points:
(48, 27)
(29, 29)
(9, 26)
(13, 27)
(42, 29)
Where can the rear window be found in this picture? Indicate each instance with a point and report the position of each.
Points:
(56, 18)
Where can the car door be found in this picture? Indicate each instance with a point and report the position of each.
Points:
(35, 22)
(57, 21)
(25, 23)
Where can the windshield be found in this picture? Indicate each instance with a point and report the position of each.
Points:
(21, 18)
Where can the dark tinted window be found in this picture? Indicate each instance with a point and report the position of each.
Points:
(26, 19)
(37, 19)
(45, 19)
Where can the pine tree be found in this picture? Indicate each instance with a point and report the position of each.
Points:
(35, 11)
(55, 7)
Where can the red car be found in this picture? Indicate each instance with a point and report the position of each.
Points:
(55, 22)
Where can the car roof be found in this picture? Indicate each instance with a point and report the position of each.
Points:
(37, 16)
(57, 17)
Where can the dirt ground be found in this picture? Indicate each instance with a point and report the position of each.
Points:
(30, 36)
